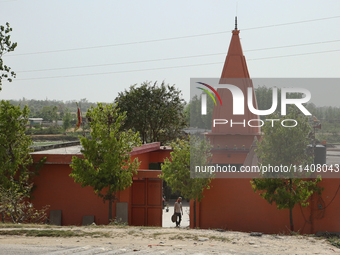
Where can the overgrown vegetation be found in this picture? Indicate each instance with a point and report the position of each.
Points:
(334, 241)
(14, 205)
(118, 222)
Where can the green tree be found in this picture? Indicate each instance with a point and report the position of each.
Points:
(14, 144)
(156, 112)
(179, 170)
(107, 165)
(264, 98)
(46, 113)
(61, 109)
(15, 162)
(285, 146)
(67, 119)
(6, 46)
(49, 113)
(55, 115)
(193, 115)
(36, 106)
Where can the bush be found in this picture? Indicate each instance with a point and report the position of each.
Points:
(14, 205)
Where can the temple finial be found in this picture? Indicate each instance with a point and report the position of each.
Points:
(235, 22)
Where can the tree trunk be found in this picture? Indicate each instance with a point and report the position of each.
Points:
(291, 219)
(194, 225)
(110, 205)
(110, 210)
(291, 208)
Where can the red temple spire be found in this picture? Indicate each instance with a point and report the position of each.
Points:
(235, 72)
(235, 65)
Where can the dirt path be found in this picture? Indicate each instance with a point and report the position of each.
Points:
(142, 240)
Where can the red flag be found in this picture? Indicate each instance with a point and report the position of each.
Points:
(78, 118)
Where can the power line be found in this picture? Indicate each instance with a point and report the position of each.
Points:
(166, 39)
(288, 46)
(122, 63)
(127, 71)
(293, 55)
(171, 67)
(291, 23)
(115, 45)
(165, 59)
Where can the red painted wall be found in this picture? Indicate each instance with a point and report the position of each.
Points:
(56, 188)
(231, 204)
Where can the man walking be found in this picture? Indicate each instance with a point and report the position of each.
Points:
(178, 210)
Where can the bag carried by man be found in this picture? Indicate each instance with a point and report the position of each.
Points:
(173, 217)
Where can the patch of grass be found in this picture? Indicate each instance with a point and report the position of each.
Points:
(179, 237)
(146, 227)
(335, 241)
(155, 235)
(184, 236)
(46, 143)
(38, 233)
(121, 226)
(190, 236)
(51, 233)
(295, 233)
(118, 223)
(96, 234)
(219, 238)
(57, 138)
(332, 238)
(159, 234)
(131, 232)
(12, 225)
(195, 237)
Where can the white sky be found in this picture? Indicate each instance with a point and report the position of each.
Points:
(40, 26)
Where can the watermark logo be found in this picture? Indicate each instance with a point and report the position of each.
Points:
(204, 97)
(242, 100)
(239, 111)
(239, 101)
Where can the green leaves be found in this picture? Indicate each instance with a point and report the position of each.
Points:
(14, 204)
(15, 162)
(286, 193)
(67, 118)
(6, 46)
(176, 170)
(107, 165)
(155, 111)
(14, 144)
(49, 113)
(193, 115)
(285, 146)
